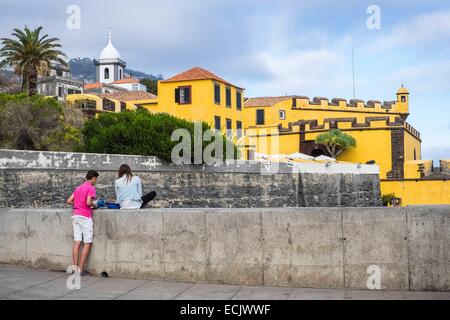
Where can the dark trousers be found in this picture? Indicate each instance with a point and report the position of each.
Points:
(147, 198)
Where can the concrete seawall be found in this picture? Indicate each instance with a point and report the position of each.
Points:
(300, 247)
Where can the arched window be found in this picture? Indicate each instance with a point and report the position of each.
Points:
(106, 73)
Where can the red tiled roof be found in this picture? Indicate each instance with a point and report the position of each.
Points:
(197, 73)
(98, 85)
(128, 95)
(265, 101)
(95, 85)
(126, 80)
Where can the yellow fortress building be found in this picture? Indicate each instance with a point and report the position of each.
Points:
(290, 124)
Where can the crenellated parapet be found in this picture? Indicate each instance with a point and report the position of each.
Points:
(348, 123)
(322, 103)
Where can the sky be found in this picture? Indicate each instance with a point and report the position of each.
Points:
(273, 48)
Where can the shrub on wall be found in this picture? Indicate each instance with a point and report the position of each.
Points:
(388, 198)
(140, 133)
(38, 123)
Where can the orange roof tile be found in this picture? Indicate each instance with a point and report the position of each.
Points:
(265, 101)
(95, 85)
(128, 95)
(197, 73)
(126, 80)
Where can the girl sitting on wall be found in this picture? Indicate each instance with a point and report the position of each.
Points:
(129, 190)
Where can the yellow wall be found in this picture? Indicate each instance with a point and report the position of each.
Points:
(304, 110)
(411, 144)
(416, 169)
(202, 107)
(370, 145)
(419, 192)
(268, 143)
(74, 98)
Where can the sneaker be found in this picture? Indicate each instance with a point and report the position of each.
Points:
(84, 274)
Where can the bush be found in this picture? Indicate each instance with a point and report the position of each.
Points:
(38, 123)
(138, 133)
(387, 199)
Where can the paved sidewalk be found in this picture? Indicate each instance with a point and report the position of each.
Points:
(29, 284)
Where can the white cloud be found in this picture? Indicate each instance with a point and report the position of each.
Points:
(296, 71)
(428, 77)
(422, 30)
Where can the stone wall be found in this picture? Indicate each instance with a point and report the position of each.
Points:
(445, 166)
(46, 179)
(300, 247)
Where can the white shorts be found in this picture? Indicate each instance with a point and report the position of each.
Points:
(83, 229)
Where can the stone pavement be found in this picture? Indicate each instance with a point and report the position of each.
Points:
(20, 283)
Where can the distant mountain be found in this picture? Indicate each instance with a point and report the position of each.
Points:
(84, 68)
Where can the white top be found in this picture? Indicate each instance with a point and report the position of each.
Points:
(130, 205)
(109, 53)
(129, 193)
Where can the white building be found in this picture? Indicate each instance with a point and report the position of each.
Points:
(130, 84)
(58, 83)
(111, 73)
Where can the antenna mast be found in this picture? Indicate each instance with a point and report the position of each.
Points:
(353, 69)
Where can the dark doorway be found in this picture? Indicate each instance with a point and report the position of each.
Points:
(317, 153)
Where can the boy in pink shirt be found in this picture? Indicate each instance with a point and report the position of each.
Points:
(82, 201)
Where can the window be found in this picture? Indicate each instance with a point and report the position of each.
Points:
(228, 97)
(106, 73)
(61, 92)
(415, 154)
(87, 104)
(403, 99)
(239, 100)
(217, 93)
(123, 107)
(70, 91)
(229, 128)
(183, 95)
(282, 115)
(260, 117)
(120, 74)
(108, 105)
(135, 87)
(59, 72)
(239, 129)
(217, 123)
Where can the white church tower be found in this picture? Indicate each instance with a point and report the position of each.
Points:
(110, 67)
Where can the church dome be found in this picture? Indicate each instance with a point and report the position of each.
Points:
(109, 52)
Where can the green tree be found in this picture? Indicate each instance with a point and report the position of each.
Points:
(336, 142)
(152, 85)
(387, 199)
(38, 123)
(31, 55)
(139, 133)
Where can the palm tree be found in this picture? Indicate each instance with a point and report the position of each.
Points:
(31, 55)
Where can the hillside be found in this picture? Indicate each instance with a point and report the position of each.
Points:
(84, 68)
